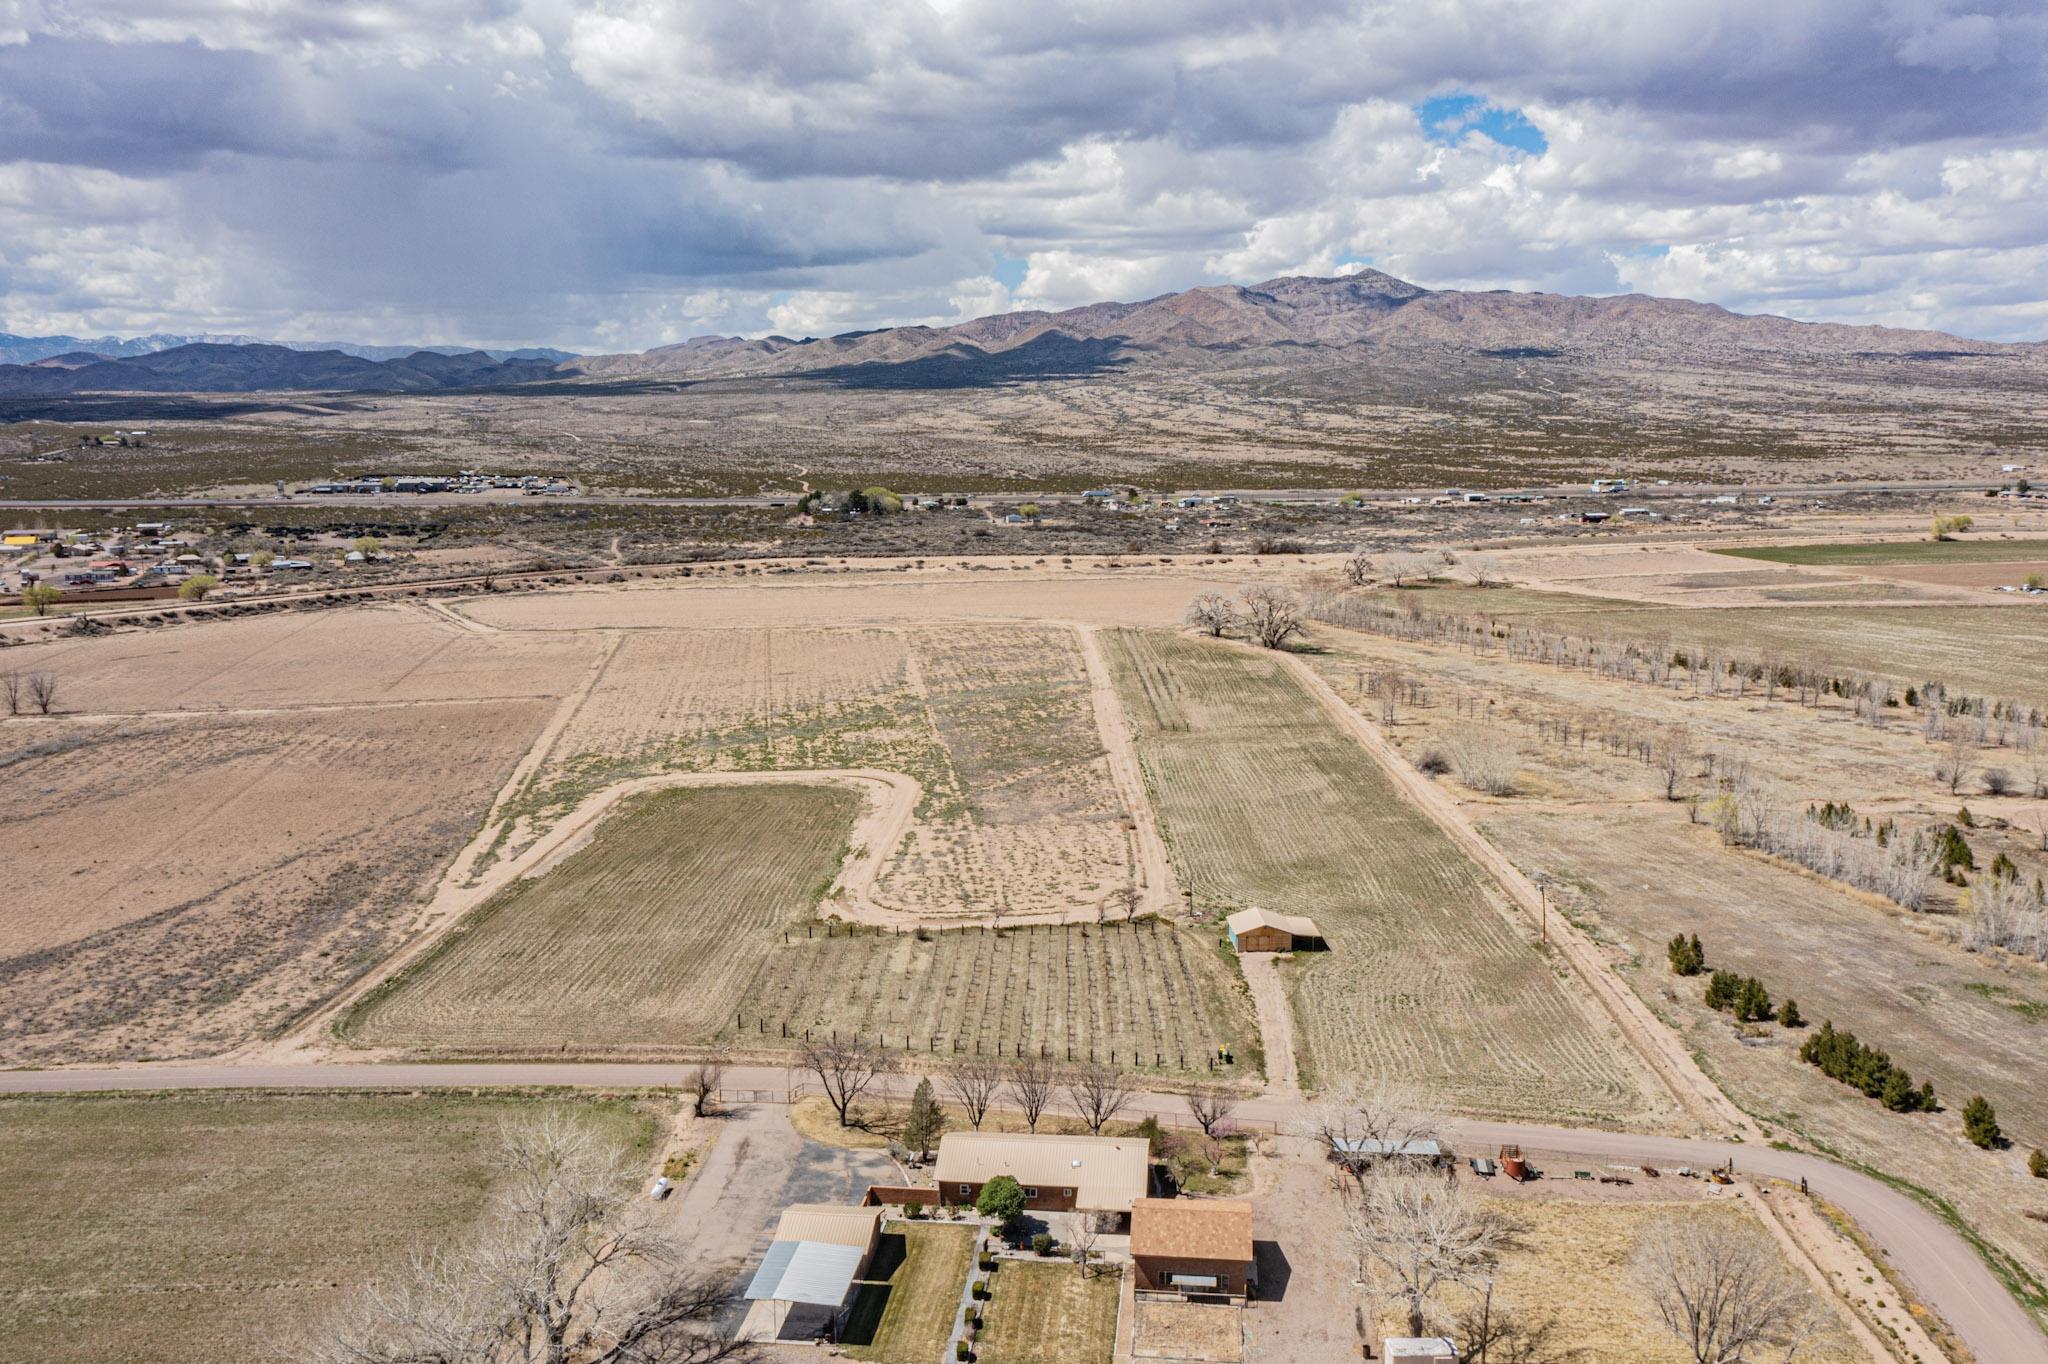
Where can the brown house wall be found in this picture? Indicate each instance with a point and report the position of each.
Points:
(1154, 1270)
(1264, 940)
(1048, 1200)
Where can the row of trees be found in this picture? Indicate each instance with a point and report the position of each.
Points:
(36, 690)
(1840, 1056)
(1751, 815)
(2006, 914)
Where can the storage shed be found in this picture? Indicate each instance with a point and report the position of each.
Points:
(806, 1279)
(1263, 930)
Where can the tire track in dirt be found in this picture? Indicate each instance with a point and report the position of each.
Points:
(1155, 872)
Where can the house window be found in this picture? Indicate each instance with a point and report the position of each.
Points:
(1031, 1193)
(966, 1190)
(1066, 1193)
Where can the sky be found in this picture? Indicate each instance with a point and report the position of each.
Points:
(617, 174)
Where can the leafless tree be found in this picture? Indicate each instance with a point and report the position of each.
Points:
(1416, 1233)
(1081, 1239)
(1386, 687)
(1273, 615)
(1483, 570)
(846, 1070)
(1209, 1108)
(1676, 760)
(1492, 1331)
(42, 691)
(570, 1267)
(1369, 1111)
(974, 1085)
(1031, 1082)
(1099, 1094)
(1212, 614)
(703, 1083)
(1720, 1289)
(11, 691)
(1958, 759)
(1484, 759)
(1129, 899)
(1358, 569)
(2040, 819)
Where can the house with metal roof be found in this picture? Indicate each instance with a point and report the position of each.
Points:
(806, 1280)
(1059, 1174)
(1265, 930)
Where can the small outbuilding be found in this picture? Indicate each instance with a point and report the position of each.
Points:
(1199, 1248)
(805, 1283)
(1419, 1350)
(1263, 930)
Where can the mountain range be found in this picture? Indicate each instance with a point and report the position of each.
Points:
(28, 350)
(1282, 321)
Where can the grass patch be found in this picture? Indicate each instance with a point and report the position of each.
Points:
(1049, 1314)
(2033, 1010)
(213, 1225)
(906, 1313)
(1897, 552)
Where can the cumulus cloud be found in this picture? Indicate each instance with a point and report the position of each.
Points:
(620, 173)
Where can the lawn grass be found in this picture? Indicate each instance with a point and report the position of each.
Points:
(1896, 552)
(1049, 1314)
(906, 1314)
(205, 1226)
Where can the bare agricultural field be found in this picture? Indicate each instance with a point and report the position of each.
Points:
(996, 723)
(1264, 801)
(680, 924)
(680, 886)
(180, 886)
(1861, 553)
(213, 1226)
(1636, 879)
(363, 655)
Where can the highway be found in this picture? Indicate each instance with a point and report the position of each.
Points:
(1922, 1248)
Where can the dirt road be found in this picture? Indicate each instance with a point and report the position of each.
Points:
(1155, 872)
(1929, 1255)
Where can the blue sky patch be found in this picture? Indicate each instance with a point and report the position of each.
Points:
(1447, 118)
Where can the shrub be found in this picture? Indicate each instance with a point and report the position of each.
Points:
(1688, 958)
(2037, 1164)
(1002, 1198)
(981, 1290)
(1432, 763)
(1042, 1244)
(961, 1351)
(1980, 1122)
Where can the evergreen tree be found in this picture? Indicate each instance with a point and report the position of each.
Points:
(921, 1129)
(1752, 1001)
(1788, 1014)
(1980, 1122)
(2037, 1164)
(2003, 869)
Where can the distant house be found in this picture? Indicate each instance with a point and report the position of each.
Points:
(1263, 930)
(806, 1279)
(1193, 1247)
(1059, 1174)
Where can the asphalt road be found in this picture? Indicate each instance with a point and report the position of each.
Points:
(1924, 1250)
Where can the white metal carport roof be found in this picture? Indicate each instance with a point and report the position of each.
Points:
(815, 1272)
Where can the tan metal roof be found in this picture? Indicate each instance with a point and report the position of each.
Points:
(1192, 1228)
(1300, 925)
(831, 1223)
(1106, 1173)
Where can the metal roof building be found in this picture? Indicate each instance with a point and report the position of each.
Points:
(1265, 930)
(1092, 1174)
(820, 1251)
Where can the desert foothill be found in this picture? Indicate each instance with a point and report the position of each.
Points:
(1105, 685)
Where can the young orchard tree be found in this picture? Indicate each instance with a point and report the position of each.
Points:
(1358, 569)
(1676, 760)
(1099, 1093)
(13, 688)
(1031, 1083)
(1272, 615)
(974, 1085)
(1210, 1108)
(846, 1070)
(42, 691)
(1720, 1289)
(1212, 614)
(571, 1268)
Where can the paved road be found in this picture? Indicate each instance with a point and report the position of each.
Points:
(1919, 1245)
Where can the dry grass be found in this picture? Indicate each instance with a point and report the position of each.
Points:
(181, 886)
(1264, 801)
(1181, 1331)
(648, 938)
(1049, 1314)
(213, 1226)
(907, 1313)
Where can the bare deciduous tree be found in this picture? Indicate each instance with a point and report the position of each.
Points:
(974, 1085)
(1415, 1233)
(1031, 1081)
(1484, 571)
(1099, 1094)
(1209, 1108)
(1676, 760)
(846, 1070)
(42, 691)
(1358, 569)
(1386, 687)
(1212, 614)
(1129, 899)
(1085, 1230)
(1369, 1111)
(569, 1268)
(1484, 759)
(703, 1083)
(1272, 615)
(1493, 1331)
(1958, 759)
(11, 690)
(1720, 1289)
